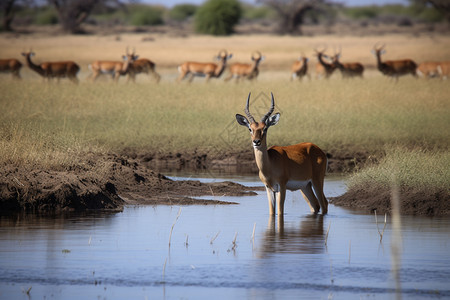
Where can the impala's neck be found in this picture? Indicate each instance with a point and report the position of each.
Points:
(33, 66)
(379, 62)
(262, 157)
(220, 68)
(322, 62)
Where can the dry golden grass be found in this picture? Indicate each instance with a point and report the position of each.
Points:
(50, 124)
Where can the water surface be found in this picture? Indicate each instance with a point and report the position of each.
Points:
(231, 252)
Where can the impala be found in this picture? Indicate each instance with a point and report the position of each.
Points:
(249, 71)
(50, 70)
(428, 69)
(299, 68)
(444, 69)
(12, 66)
(114, 68)
(352, 69)
(393, 68)
(142, 65)
(204, 69)
(301, 166)
(322, 67)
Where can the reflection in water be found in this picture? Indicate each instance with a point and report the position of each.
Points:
(308, 237)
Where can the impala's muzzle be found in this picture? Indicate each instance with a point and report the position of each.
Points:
(256, 143)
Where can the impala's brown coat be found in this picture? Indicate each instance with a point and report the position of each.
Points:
(50, 70)
(301, 166)
(444, 69)
(204, 69)
(394, 68)
(299, 68)
(114, 68)
(249, 71)
(12, 66)
(322, 67)
(428, 69)
(142, 65)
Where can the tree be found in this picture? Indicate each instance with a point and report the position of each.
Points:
(72, 13)
(442, 6)
(218, 17)
(292, 12)
(8, 8)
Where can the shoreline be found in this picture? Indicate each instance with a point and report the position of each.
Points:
(111, 181)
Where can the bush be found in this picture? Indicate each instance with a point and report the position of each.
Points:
(142, 15)
(46, 17)
(218, 17)
(182, 12)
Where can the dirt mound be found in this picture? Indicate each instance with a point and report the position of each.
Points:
(101, 182)
(412, 202)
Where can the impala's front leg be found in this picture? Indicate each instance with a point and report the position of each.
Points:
(280, 196)
(271, 199)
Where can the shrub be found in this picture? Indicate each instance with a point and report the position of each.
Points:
(46, 17)
(218, 17)
(182, 12)
(142, 15)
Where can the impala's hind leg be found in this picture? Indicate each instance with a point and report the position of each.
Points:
(318, 188)
(310, 198)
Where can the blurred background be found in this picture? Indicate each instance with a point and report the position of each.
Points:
(225, 17)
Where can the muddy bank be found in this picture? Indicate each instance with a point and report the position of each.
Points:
(243, 163)
(110, 181)
(102, 182)
(412, 201)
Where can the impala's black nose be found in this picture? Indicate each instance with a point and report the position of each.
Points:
(256, 143)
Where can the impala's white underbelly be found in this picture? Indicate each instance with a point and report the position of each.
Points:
(294, 185)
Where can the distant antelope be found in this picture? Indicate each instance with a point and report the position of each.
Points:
(50, 70)
(394, 68)
(114, 68)
(444, 69)
(12, 66)
(348, 70)
(428, 69)
(322, 67)
(249, 71)
(142, 65)
(301, 166)
(299, 68)
(207, 70)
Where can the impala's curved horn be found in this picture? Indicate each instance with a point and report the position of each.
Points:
(247, 111)
(271, 109)
(376, 47)
(223, 53)
(258, 55)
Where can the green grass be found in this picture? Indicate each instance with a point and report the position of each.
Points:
(416, 169)
(51, 125)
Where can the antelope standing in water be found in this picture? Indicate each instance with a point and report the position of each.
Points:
(301, 166)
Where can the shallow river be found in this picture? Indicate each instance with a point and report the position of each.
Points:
(223, 252)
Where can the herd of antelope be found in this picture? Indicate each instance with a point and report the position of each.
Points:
(131, 65)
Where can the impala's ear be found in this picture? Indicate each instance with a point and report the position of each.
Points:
(242, 121)
(273, 120)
